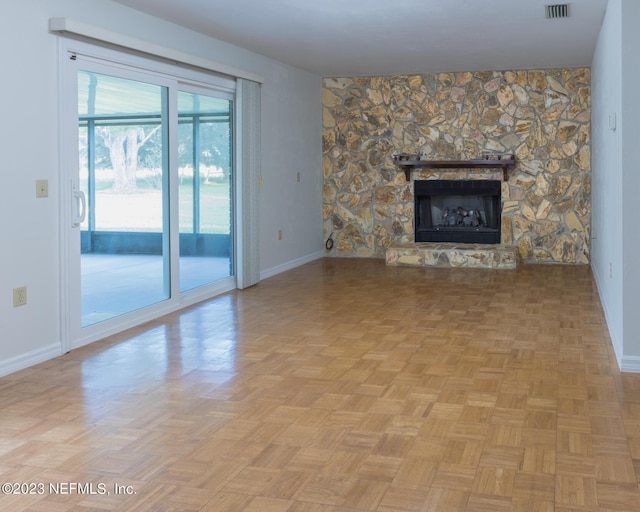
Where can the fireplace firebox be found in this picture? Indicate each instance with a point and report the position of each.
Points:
(462, 211)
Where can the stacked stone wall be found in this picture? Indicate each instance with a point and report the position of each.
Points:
(541, 116)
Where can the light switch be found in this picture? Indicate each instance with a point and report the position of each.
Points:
(42, 188)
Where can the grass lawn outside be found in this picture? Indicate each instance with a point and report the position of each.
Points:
(141, 208)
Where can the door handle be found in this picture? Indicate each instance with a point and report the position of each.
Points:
(79, 206)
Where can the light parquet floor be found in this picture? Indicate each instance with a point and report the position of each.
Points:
(342, 385)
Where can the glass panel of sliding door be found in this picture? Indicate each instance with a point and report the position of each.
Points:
(205, 189)
(123, 175)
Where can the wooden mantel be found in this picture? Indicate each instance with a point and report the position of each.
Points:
(411, 162)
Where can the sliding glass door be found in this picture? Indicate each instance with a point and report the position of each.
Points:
(123, 154)
(205, 188)
(149, 199)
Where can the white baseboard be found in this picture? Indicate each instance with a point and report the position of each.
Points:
(30, 359)
(270, 272)
(613, 333)
(630, 364)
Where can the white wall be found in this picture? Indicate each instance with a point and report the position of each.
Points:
(606, 164)
(616, 180)
(631, 182)
(291, 116)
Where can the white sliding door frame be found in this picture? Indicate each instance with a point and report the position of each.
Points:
(176, 76)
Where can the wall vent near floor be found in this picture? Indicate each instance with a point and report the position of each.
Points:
(557, 11)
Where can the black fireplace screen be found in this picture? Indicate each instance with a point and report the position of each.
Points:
(463, 211)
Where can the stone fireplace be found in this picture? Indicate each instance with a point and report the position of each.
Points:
(542, 117)
(464, 211)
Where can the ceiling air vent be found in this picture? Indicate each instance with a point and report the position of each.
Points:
(557, 11)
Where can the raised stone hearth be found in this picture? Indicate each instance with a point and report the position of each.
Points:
(494, 256)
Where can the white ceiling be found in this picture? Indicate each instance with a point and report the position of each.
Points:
(386, 37)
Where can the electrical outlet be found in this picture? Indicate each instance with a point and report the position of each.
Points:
(42, 188)
(19, 296)
(279, 234)
(298, 177)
